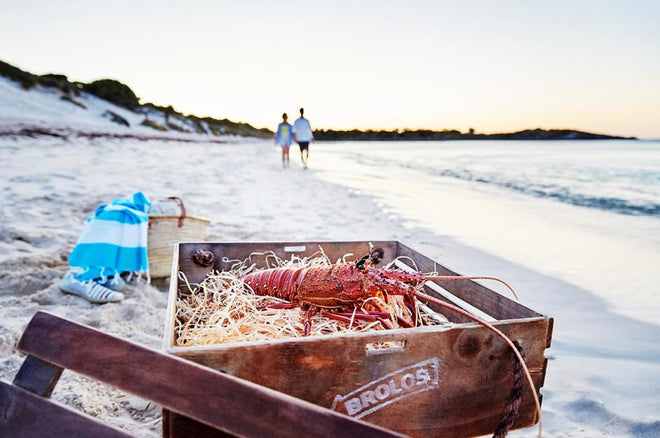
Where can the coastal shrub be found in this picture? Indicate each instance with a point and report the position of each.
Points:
(61, 82)
(152, 124)
(113, 91)
(227, 127)
(176, 127)
(215, 129)
(27, 80)
(197, 125)
(115, 118)
(166, 111)
(73, 101)
(194, 123)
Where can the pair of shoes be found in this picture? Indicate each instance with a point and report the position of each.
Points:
(115, 283)
(90, 290)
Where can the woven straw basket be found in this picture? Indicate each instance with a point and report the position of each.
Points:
(166, 231)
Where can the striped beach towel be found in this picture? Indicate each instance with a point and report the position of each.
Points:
(114, 240)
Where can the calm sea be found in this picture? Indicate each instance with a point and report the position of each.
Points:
(584, 211)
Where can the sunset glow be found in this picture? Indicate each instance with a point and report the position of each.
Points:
(492, 66)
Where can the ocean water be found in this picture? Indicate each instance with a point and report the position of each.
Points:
(587, 212)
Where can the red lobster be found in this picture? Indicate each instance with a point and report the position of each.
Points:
(346, 286)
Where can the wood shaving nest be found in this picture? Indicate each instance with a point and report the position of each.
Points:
(223, 310)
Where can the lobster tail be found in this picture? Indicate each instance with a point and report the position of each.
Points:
(280, 282)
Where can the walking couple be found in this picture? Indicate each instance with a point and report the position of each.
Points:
(301, 132)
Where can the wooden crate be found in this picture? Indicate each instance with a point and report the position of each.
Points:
(436, 381)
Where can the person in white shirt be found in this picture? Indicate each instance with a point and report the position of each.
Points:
(302, 133)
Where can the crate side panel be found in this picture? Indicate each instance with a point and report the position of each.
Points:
(225, 254)
(463, 374)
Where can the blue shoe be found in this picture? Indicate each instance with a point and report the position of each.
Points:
(90, 290)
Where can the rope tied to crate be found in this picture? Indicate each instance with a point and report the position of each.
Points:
(515, 397)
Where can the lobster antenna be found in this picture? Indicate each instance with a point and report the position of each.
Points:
(459, 277)
(506, 339)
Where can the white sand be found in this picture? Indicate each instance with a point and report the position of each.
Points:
(50, 186)
(604, 374)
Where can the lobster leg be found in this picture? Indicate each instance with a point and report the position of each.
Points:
(278, 306)
(308, 320)
(371, 317)
(282, 306)
(409, 301)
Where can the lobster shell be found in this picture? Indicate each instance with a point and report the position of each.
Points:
(332, 286)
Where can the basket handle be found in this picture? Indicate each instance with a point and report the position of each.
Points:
(182, 207)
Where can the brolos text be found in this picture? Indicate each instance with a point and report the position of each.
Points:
(377, 394)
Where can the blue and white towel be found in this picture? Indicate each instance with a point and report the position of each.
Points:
(114, 240)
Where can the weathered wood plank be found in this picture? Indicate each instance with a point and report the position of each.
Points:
(227, 253)
(26, 415)
(222, 401)
(179, 426)
(37, 376)
(473, 382)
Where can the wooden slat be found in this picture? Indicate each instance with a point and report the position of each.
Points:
(179, 426)
(232, 251)
(37, 376)
(223, 401)
(481, 297)
(26, 415)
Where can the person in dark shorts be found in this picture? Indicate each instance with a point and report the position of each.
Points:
(302, 133)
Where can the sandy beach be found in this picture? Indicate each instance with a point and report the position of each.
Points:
(51, 185)
(519, 142)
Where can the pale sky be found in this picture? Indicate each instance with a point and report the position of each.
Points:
(494, 65)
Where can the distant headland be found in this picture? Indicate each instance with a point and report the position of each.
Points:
(429, 135)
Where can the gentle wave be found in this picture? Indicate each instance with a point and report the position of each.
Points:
(561, 193)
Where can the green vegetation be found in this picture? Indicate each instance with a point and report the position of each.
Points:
(116, 118)
(176, 127)
(113, 91)
(227, 127)
(424, 134)
(121, 94)
(60, 82)
(197, 125)
(73, 101)
(29, 80)
(152, 124)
